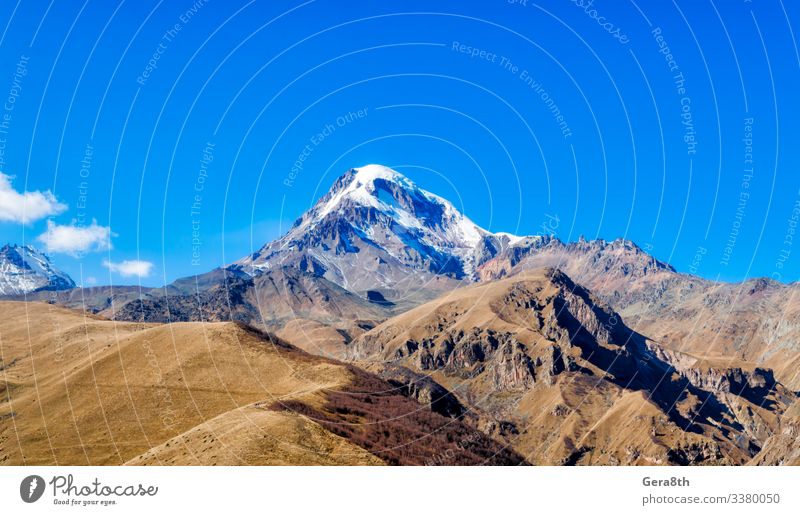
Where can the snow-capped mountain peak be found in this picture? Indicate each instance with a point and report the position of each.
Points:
(375, 229)
(369, 173)
(394, 195)
(24, 269)
(360, 186)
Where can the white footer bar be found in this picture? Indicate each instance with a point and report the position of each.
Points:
(356, 490)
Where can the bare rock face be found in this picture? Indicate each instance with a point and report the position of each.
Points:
(754, 384)
(781, 447)
(751, 394)
(422, 389)
(538, 333)
(581, 260)
(512, 369)
(537, 352)
(697, 454)
(476, 352)
(552, 363)
(754, 321)
(519, 331)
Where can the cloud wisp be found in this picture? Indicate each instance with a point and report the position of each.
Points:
(76, 240)
(130, 268)
(28, 206)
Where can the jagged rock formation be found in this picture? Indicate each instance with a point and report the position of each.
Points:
(781, 447)
(548, 367)
(754, 321)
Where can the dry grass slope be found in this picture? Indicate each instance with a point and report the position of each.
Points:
(551, 371)
(80, 390)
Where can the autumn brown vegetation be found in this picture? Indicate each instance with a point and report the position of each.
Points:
(373, 415)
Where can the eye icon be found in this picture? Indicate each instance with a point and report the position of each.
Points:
(31, 488)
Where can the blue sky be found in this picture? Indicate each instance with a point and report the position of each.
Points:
(172, 128)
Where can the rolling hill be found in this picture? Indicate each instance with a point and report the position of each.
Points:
(81, 390)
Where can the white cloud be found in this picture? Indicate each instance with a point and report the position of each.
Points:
(28, 206)
(74, 239)
(130, 268)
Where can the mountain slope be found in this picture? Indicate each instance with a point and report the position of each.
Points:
(376, 245)
(619, 270)
(79, 390)
(555, 373)
(23, 269)
(381, 239)
(755, 321)
(272, 301)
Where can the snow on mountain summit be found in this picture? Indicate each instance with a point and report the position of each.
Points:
(375, 229)
(358, 186)
(391, 193)
(24, 269)
(371, 172)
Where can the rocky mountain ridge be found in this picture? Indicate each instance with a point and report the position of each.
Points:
(586, 352)
(536, 353)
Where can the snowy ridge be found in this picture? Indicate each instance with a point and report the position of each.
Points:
(377, 230)
(24, 269)
(365, 189)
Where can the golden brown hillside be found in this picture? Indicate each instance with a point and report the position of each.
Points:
(82, 390)
(555, 373)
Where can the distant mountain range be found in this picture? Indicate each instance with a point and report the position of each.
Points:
(378, 240)
(376, 245)
(585, 352)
